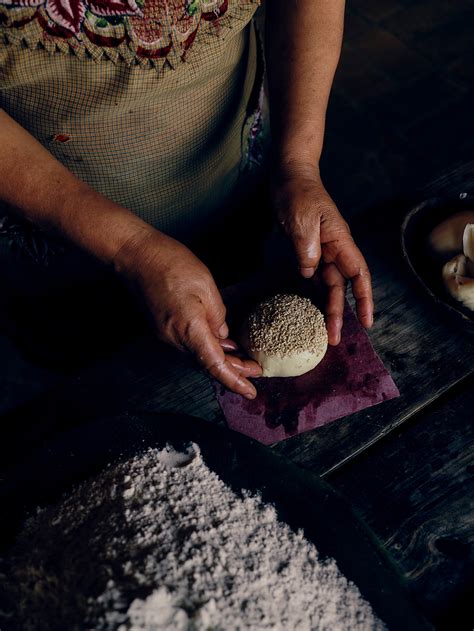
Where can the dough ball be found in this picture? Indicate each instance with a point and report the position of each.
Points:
(286, 335)
(446, 238)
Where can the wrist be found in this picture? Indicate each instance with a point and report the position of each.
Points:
(99, 225)
(285, 167)
(136, 251)
(297, 144)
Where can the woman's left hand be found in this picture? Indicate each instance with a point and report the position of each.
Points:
(318, 231)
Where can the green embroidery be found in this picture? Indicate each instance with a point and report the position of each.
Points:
(192, 6)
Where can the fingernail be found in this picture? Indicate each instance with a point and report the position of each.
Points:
(228, 345)
(368, 320)
(250, 395)
(334, 336)
(224, 331)
(307, 272)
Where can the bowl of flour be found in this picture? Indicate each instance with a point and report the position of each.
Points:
(186, 528)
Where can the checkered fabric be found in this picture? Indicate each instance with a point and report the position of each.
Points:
(153, 114)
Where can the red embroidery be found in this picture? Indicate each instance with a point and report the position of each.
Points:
(103, 40)
(214, 14)
(69, 14)
(152, 27)
(61, 138)
(16, 23)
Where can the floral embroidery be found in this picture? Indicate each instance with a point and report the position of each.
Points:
(152, 29)
(69, 14)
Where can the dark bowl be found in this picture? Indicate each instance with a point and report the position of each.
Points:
(424, 265)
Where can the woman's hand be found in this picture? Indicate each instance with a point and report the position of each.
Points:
(185, 305)
(318, 232)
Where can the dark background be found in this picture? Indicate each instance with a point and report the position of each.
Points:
(402, 105)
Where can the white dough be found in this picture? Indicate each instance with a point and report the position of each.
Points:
(288, 366)
(286, 335)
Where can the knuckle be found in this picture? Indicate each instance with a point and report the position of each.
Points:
(166, 326)
(328, 271)
(340, 224)
(219, 369)
(326, 208)
(364, 272)
(170, 336)
(220, 312)
(216, 367)
(189, 328)
(304, 211)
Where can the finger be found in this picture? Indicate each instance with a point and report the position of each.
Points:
(233, 351)
(200, 340)
(352, 265)
(336, 284)
(246, 367)
(306, 242)
(228, 345)
(215, 312)
(362, 291)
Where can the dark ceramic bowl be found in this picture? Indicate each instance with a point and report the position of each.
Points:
(425, 267)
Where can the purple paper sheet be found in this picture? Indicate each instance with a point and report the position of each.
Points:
(351, 377)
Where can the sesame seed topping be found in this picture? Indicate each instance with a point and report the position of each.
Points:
(287, 324)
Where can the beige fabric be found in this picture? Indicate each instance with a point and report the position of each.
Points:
(164, 139)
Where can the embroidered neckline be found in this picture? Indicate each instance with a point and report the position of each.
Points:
(156, 32)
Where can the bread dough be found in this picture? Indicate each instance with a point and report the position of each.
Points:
(447, 238)
(286, 335)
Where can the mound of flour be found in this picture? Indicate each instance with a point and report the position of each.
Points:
(160, 542)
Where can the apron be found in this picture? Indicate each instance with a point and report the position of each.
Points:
(157, 104)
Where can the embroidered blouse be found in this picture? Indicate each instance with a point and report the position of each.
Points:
(151, 102)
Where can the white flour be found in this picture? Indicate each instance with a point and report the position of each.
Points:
(161, 543)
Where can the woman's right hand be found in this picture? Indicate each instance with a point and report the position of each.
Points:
(179, 290)
(185, 305)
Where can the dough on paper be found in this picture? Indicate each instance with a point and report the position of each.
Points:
(286, 335)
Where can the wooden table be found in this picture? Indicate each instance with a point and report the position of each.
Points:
(406, 465)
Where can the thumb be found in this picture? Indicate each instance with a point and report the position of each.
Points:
(307, 247)
(216, 312)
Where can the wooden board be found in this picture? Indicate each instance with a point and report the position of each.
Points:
(425, 354)
(456, 181)
(416, 490)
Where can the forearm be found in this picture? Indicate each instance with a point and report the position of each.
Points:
(42, 190)
(178, 289)
(303, 44)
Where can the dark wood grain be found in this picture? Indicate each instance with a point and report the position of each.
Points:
(424, 356)
(458, 180)
(416, 490)
(144, 375)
